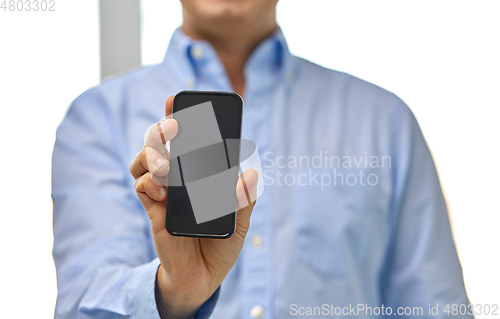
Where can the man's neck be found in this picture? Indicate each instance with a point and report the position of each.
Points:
(233, 43)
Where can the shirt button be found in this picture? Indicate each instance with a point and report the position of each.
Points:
(197, 52)
(257, 312)
(257, 241)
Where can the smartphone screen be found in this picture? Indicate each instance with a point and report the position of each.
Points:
(202, 161)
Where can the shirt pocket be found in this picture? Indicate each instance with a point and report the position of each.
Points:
(336, 223)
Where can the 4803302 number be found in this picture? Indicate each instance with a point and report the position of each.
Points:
(478, 309)
(28, 5)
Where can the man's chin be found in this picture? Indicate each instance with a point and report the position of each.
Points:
(224, 9)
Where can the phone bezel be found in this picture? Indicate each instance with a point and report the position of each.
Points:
(167, 221)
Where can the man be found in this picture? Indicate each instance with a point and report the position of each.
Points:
(352, 220)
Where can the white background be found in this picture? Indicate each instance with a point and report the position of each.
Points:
(440, 57)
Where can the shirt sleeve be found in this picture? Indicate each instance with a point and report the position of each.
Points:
(422, 268)
(104, 254)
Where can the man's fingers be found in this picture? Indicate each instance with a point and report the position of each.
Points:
(150, 169)
(168, 106)
(150, 160)
(154, 157)
(145, 185)
(246, 191)
(153, 198)
(139, 165)
(161, 133)
(158, 164)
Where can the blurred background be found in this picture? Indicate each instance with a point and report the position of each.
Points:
(440, 57)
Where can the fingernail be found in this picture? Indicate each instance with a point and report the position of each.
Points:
(163, 191)
(163, 124)
(161, 163)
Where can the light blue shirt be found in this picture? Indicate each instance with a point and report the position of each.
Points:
(352, 212)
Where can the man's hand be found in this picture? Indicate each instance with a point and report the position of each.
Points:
(191, 268)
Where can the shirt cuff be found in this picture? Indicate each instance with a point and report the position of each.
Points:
(141, 294)
(208, 307)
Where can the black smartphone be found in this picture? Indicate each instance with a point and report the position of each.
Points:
(208, 123)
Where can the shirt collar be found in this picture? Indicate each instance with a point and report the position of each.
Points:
(195, 60)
